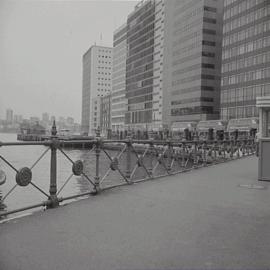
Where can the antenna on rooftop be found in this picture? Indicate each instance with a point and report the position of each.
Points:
(101, 39)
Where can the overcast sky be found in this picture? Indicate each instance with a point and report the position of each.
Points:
(41, 48)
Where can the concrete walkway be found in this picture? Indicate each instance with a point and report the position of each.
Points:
(209, 218)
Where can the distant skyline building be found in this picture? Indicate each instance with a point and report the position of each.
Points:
(9, 116)
(118, 98)
(34, 119)
(52, 118)
(97, 69)
(45, 118)
(70, 120)
(245, 57)
(192, 60)
(18, 118)
(61, 119)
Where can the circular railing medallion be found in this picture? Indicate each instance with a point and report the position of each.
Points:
(24, 177)
(2, 177)
(77, 167)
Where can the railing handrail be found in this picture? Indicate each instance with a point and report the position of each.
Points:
(164, 153)
(105, 141)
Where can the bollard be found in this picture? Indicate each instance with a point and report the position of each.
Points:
(53, 172)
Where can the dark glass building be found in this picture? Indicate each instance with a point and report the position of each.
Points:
(139, 65)
(192, 60)
(245, 57)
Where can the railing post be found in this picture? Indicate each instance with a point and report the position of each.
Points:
(215, 150)
(253, 143)
(195, 158)
(238, 149)
(151, 153)
(232, 148)
(204, 153)
(53, 172)
(250, 148)
(224, 149)
(169, 154)
(97, 151)
(247, 147)
(128, 157)
(244, 148)
(183, 154)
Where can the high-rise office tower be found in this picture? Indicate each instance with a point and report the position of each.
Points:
(140, 65)
(97, 69)
(118, 97)
(245, 57)
(192, 60)
(157, 122)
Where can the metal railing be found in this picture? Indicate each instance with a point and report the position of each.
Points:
(152, 158)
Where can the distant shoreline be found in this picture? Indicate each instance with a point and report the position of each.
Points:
(8, 132)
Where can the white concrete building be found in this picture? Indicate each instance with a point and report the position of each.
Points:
(97, 73)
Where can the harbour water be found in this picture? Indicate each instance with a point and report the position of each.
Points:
(25, 156)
